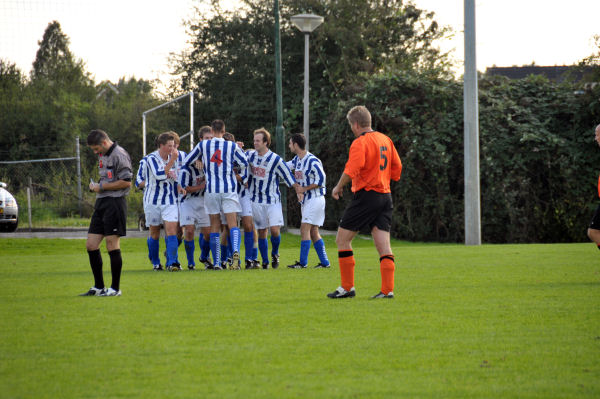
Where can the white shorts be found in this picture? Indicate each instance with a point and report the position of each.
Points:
(156, 214)
(267, 215)
(313, 211)
(216, 203)
(246, 206)
(192, 212)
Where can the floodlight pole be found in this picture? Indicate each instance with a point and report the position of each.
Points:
(279, 130)
(471, 132)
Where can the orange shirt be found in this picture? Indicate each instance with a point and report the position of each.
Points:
(373, 162)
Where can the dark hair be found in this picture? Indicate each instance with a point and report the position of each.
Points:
(228, 136)
(163, 138)
(202, 131)
(266, 135)
(217, 125)
(299, 139)
(96, 137)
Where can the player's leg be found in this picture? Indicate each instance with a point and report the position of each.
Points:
(224, 242)
(171, 228)
(304, 247)
(593, 231)
(275, 217)
(381, 237)
(153, 221)
(92, 246)
(189, 244)
(115, 221)
(261, 222)
(314, 215)
(113, 246)
(319, 245)
(203, 222)
(231, 208)
(248, 226)
(212, 204)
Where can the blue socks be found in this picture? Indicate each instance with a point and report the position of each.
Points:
(189, 250)
(320, 249)
(215, 248)
(153, 251)
(275, 241)
(263, 247)
(235, 238)
(171, 250)
(204, 247)
(304, 248)
(249, 244)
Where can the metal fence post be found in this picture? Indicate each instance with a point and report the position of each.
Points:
(79, 195)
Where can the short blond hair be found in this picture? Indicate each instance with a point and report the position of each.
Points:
(175, 137)
(266, 135)
(359, 114)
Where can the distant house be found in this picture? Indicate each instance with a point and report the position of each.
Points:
(553, 73)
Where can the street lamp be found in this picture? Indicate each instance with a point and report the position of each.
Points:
(306, 23)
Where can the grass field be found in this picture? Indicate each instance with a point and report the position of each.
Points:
(496, 321)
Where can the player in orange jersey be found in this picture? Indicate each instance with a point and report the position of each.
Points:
(594, 228)
(372, 163)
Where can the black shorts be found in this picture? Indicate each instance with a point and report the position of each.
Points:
(595, 223)
(110, 217)
(368, 209)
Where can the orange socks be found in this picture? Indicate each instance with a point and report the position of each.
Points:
(386, 265)
(346, 260)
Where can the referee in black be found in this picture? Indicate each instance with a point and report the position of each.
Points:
(110, 211)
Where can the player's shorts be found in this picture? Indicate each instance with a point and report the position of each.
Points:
(267, 215)
(246, 206)
(313, 211)
(368, 209)
(192, 212)
(216, 203)
(595, 223)
(109, 217)
(156, 214)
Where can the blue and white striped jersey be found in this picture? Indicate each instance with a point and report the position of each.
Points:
(267, 170)
(242, 190)
(191, 176)
(160, 189)
(178, 167)
(307, 171)
(142, 173)
(219, 158)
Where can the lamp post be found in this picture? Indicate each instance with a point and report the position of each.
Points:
(306, 23)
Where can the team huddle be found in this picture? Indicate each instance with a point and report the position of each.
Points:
(218, 187)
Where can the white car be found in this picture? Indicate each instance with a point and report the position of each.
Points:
(9, 210)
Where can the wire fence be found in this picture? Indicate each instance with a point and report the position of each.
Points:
(53, 192)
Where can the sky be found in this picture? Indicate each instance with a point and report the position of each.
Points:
(124, 38)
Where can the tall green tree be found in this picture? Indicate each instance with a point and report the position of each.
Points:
(231, 64)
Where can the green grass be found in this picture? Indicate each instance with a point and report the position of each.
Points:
(507, 321)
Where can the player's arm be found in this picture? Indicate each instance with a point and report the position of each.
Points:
(356, 162)
(193, 156)
(241, 160)
(157, 170)
(396, 166)
(338, 190)
(110, 186)
(140, 180)
(316, 170)
(286, 174)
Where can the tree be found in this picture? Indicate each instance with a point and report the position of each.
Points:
(231, 64)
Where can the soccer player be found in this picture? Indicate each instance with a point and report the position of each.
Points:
(594, 228)
(267, 168)
(110, 210)
(191, 208)
(309, 173)
(160, 201)
(218, 157)
(373, 161)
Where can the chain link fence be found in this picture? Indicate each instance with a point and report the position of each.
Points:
(53, 193)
